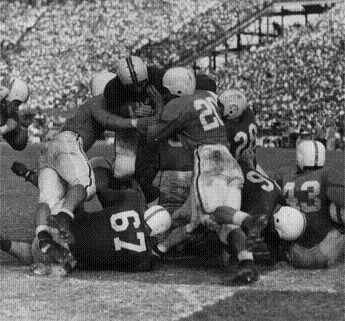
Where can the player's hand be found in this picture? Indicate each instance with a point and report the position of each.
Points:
(156, 97)
(3, 129)
(143, 110)
(145, 122)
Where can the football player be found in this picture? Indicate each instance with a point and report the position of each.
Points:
(240, 124)
(217, 178)
(176, 163)
(13, 92)
(65, 154)
(118, 237)
(130, 93)
(314, 234)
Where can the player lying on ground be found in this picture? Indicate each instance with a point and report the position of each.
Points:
(312, 232)
(13, 92)
(118, 237)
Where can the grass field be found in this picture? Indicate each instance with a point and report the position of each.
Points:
(187, 290)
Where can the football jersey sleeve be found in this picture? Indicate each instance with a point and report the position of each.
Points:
(336, 187)
(170, 121)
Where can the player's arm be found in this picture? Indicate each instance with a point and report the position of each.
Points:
(15, 134)
(113, 122)
(168, 122)
(336, 188)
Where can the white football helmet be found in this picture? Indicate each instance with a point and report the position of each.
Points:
(310, 153)
(233, 102)
(131, 70)
(158, 219)
(99, 81)
(337, 213)
(179, 81)
(290, 223)
(19, 90)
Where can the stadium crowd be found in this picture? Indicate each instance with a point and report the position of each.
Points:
(294, 84)
(291, 85)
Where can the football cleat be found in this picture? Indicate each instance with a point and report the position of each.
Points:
(40, 269)
(20, 169)
(62, 222)
(59, 253)
(247, 273)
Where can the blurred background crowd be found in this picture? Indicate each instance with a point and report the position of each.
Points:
(295, 84)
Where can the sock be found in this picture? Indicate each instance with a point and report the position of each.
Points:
(161, 248)
(5, 245)
(69, 214)
(41, 228)
(245, 255)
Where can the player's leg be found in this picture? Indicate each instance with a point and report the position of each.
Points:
(52, 189)
(146, 169)
(73, 166)
(19, 250)
(236, 243)
(21, 170)
(174, 188)
(219, 178)
(327, 253)
(125, 150)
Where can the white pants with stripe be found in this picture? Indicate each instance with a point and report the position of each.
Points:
(217, 181)
(125, 150)
(65, 155)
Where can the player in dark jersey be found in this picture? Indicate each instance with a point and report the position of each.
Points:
(131, 88)
(117, 237)
(314, 238)
(240, 124)
(239, 121)
(13, 92)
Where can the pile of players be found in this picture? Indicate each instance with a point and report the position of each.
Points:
(179, 145)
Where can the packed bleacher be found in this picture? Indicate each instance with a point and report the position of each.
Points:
(291, 84)
(295, 83)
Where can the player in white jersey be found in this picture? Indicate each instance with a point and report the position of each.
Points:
(13, 92)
